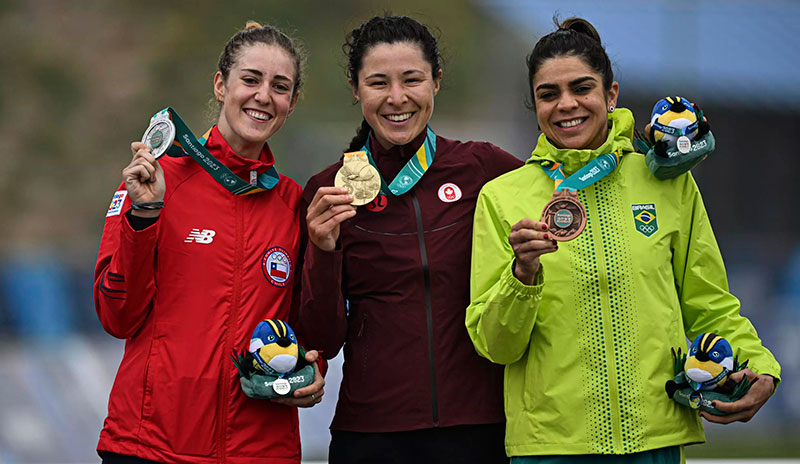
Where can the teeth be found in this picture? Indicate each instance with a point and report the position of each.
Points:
(398, 117)
(571, 123)
(258, 115)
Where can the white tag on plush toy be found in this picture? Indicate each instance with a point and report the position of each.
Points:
(281, 386)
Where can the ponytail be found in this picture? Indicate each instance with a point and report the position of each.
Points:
(362, 134)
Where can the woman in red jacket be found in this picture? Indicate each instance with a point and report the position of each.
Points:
(389, 280)
(187, 268)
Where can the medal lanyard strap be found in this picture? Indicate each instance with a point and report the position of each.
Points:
(186, 144)
(586, 176)
(413, 171)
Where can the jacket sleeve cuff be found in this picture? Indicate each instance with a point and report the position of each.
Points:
(138, 223)
(522, 290)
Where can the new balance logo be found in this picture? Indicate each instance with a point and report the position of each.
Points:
(200, 236)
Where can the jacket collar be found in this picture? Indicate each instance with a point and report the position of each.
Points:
(402, 152)
(620, 135)
(217, 145)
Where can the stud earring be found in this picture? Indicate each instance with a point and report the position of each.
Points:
(611, 108)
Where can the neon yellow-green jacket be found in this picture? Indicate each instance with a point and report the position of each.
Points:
(587, 347)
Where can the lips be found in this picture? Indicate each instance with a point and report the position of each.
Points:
(398, 117)
(258, 115)
(570, 123)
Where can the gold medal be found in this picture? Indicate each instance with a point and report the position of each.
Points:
(360, 178)
(564, 215)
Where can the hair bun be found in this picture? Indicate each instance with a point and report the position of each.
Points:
(580, 26)
(252, 25)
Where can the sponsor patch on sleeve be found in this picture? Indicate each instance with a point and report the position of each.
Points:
(116, 203)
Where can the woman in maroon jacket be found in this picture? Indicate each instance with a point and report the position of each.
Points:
(390, 281)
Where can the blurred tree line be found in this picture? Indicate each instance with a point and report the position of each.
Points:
(81, 79)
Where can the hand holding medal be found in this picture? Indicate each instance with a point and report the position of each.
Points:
(330, 207)
(144, 179)
(529, 239)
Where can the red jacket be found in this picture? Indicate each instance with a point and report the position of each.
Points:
(183, 293)
(404, 271)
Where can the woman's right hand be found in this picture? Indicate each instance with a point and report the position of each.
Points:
(529, 240)
(144, 179)
(329, 208)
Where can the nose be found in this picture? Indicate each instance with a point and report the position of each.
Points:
(263, 95)
(283, 342)
(397, 94)
(567, 101)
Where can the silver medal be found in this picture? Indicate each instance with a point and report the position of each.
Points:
(160, 135)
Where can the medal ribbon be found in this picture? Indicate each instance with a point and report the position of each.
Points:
(185, 145)
(413, 171)
(586, 176)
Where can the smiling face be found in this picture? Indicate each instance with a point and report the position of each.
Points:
(396, 87)
(571, 104)
(256, 97)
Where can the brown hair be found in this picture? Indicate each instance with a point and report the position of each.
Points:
(574, 37)
(254, 33)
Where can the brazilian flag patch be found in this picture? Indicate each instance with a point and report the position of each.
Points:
(644, 218)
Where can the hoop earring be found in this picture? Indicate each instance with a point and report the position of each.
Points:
(611, 109)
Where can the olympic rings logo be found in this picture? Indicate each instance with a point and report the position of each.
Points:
(647, 229)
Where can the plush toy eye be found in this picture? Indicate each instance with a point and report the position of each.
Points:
(291, 337)
(271, 338)
(694, 350)
(715, 354)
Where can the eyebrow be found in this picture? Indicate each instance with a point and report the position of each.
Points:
(261, 74)
(405, 73)
(572, 83)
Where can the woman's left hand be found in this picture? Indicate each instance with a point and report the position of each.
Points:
(307, 397)
(747, 406)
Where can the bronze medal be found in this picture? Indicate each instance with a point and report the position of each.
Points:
(564, 215)
(360, 178)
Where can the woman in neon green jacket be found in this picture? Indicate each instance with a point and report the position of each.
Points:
(585, 326)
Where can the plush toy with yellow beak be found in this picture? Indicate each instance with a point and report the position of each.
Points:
(274, 346)
(273, 366)
(702, 376)
(709, 362)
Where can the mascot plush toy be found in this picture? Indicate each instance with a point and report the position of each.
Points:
(274, 366)
(702, 376)
(672, 118)
(678, 140)
(274, 347)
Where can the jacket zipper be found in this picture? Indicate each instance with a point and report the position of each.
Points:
(428, 307)
(224, 400)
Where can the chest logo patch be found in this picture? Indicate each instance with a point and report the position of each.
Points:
(378, 204)
(204, 236)
(644, 218)
(277, 266)
(116, 203)
(449, 192)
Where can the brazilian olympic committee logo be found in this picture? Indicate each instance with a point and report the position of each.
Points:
(277, 266)
(644, 218)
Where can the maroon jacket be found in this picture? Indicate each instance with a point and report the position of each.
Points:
(394, 294)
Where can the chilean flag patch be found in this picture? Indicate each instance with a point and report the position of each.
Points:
(277, 266)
